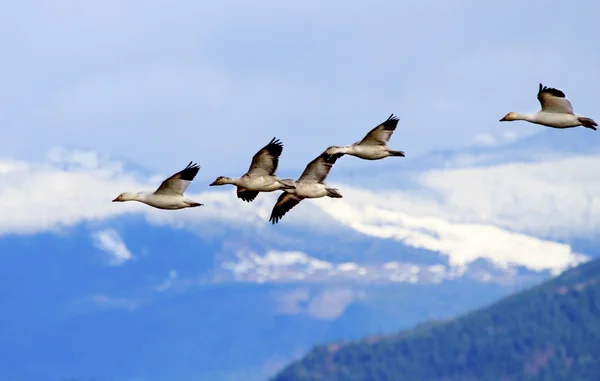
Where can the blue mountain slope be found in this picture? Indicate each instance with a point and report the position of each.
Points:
(70, 313)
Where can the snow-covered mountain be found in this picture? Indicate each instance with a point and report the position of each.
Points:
(219, 293)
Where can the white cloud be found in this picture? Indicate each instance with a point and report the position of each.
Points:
(331, 303)
(485, 140)
(111, 243)
(490, 140)
(494, 213)
(327, 304)
(167, 283)
(117, 303)
(556, 198)
(462, 243)
(297, 267)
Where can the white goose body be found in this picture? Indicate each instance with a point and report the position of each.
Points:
(311, 184)
(257, 183)
(374, 145)
(364, 152)
(261, 174)
(310, 190)
(169, 194)
(168, 202)
(556, 112)
(551, 119)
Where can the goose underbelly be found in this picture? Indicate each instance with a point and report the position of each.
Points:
(310, 190)
(167, 202)
(262, 184)
(370, 152)
(556, 120)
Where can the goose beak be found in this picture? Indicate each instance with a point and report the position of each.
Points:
(503, 119)
(213, 183)
(116, 199)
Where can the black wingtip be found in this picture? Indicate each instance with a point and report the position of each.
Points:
(190, 171)
(275, 147)
(391, 122)
(274, 218)
(276, 141)
(192, 165)
(551, 90)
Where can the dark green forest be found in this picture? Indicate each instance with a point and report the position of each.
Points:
(549, 332)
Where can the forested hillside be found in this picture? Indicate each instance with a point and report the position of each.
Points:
(550, 332)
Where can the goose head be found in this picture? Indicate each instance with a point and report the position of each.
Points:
(125, 196)
(332, 150)
(221, 180)
(510, 116)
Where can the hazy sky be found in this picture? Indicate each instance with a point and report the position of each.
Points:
(167, 82)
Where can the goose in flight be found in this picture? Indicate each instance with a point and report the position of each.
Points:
(261, 174)
(374, 145)
(311, 184)
(169, 194)
(556, 111)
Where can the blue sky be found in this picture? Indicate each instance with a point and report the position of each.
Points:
(163, 83)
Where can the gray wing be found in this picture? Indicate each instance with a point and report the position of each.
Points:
(318, 169)
(554, 100)
(284, 204)
(381, 134)
(266, 160)
(179, 182)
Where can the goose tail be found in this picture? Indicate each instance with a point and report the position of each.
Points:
(333, 193)
(397, 153)
(588, 122)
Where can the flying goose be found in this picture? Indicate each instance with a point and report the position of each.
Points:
(261, 174)
(556, 111)
(374, 145)
(169, 194)
(311, 184)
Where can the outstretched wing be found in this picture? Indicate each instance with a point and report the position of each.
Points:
(179, 182)
(554, 100)
(265, 161)
(246, 195)
(318, 169)
(284, 204)
(381, 134)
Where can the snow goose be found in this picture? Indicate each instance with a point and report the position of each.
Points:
(311, 184)
(261, 174)
(374, 145)
(556, 111)
(169, 194)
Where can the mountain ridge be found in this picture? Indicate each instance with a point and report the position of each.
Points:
(547, 332)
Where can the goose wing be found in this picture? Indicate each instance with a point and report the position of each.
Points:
(381, 134)
(246, 195)
(266, 160)
(284, 204)
(554, 100)
(318, 169)
(177, 184)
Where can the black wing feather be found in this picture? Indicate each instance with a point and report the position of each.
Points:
(551, 90)
(246, 195)
(284, 204)
(190, 172)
